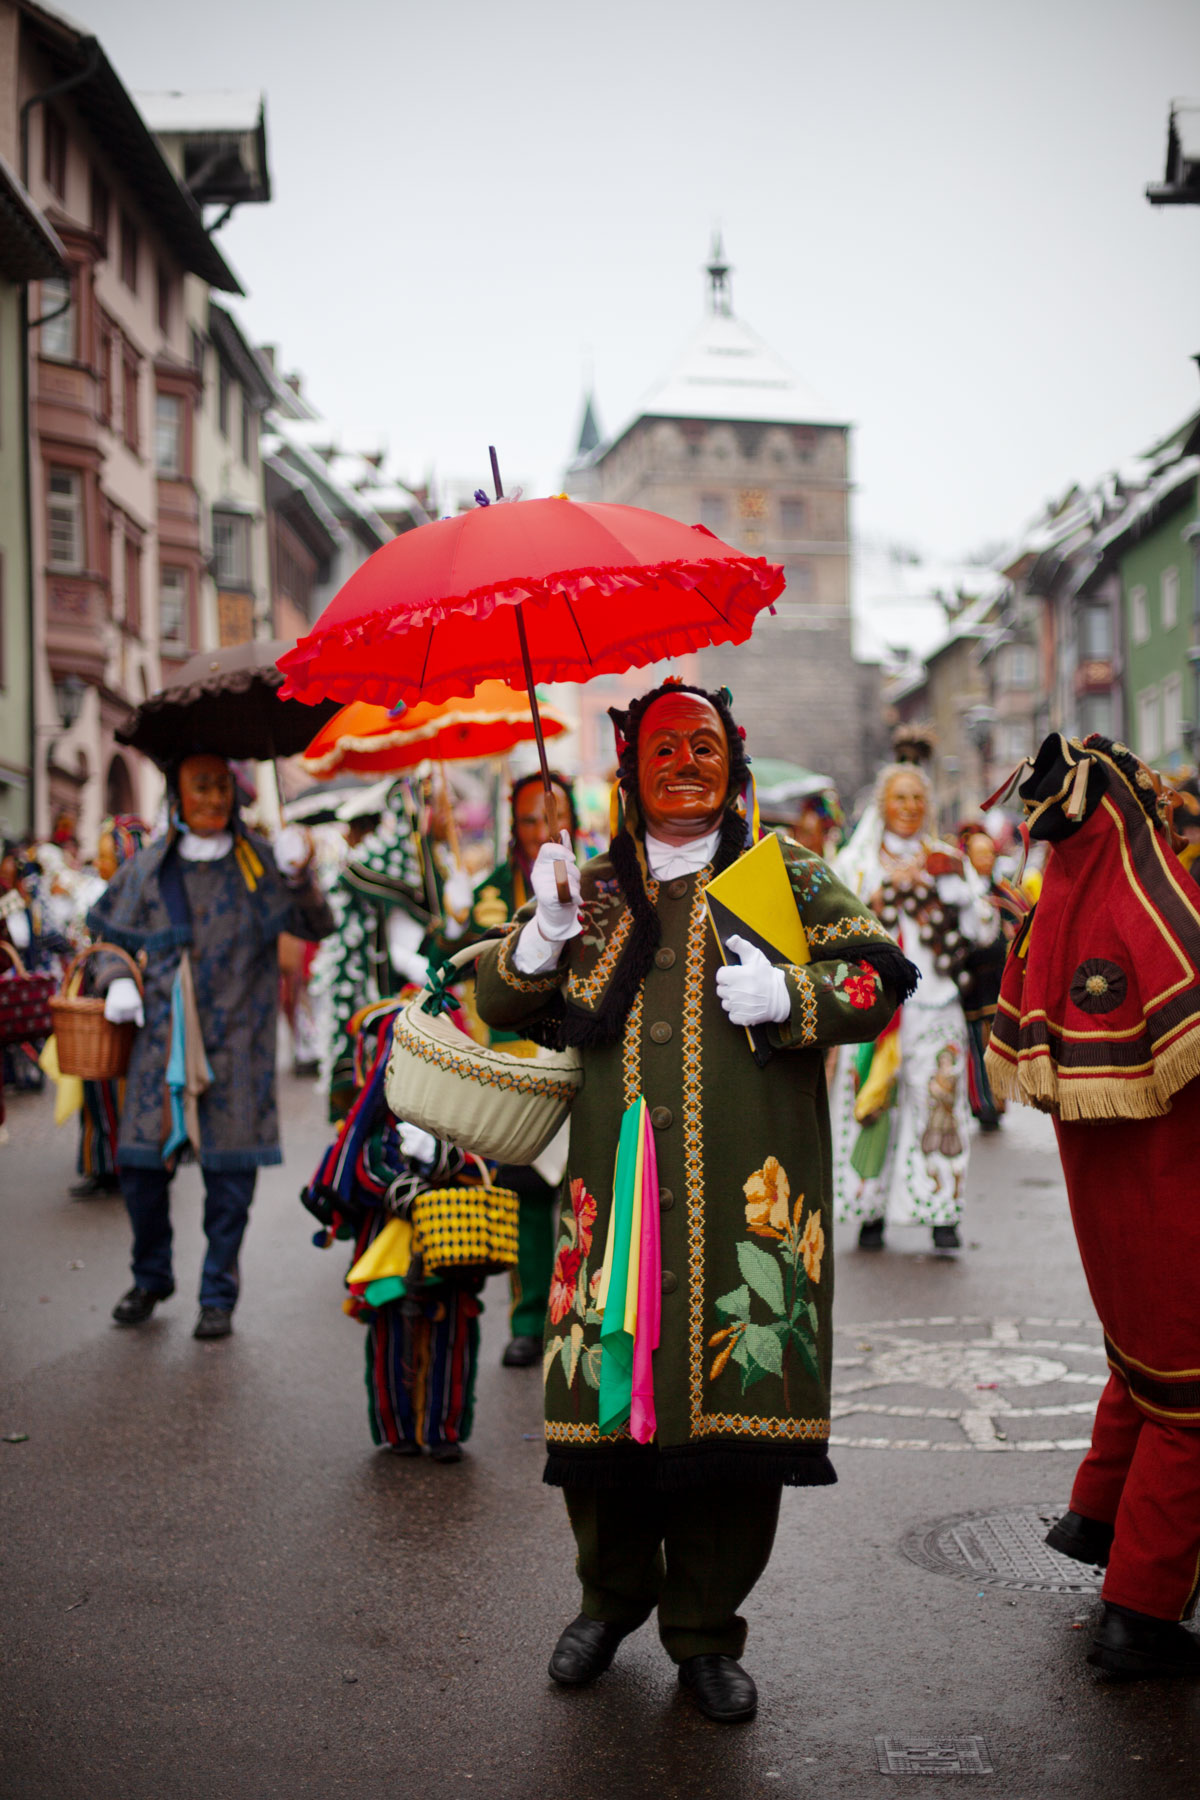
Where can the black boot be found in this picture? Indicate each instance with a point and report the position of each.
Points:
(1087, 1540)
(522, 1353)
(135, 1307)
(945, 1237)
(585, 1649)
(1137, 1646)
(722, 1688)
(214, 1322)
(870, 1234)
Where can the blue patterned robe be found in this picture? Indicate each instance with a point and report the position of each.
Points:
(232, 939)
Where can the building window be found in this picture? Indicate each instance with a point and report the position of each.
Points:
(168, 434)
(129, 396)
(129, 252)
(224, 383)
(173, 609)
(1172, 715)
(105, 372)
(799, 578)
(1149, 742)
(1022, 669)
(133, 583)
(101, 207)
(1095, 632)
(1096, 714)
(1139, 615)
(793, 517)
(58, 333)
(1168, 593)
(198, 349)
(164, 300)
(54, 152)
(247, 430)
(713, 512)
(65, 518)
(231, 550)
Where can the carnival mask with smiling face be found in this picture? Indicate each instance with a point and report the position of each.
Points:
(206, 794)
(683, 767)
(904, 805)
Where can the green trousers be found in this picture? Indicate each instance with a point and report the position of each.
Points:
(535, 1249)
(695, 1555)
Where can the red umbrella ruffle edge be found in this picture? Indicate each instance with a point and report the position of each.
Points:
(553, 724)
(759, 577)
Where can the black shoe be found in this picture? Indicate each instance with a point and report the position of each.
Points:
(870, 1234)
(585, 1649)
(214, 1322)
(1087, 1540)
(91, 1185)
(522, 1353)
(135, 1307)
(945, 1237)
(722, 1688)
(1136, 1646)
(447, 1453)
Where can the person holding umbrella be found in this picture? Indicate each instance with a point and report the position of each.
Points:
(202, 910)
(689, 1339)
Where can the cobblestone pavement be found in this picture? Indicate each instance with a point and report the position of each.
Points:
(212, 1586)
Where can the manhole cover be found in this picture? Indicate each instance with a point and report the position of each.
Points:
(933, 1756)
(1001, 1549)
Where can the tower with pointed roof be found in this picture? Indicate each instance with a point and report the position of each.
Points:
(733, 439)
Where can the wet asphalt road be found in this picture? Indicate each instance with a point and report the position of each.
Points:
(211, 1585)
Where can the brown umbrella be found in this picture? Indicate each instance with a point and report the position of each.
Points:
(227, 702)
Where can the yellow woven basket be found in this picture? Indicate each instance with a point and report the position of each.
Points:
(466, 1227)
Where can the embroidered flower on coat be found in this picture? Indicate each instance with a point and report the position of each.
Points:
(563, 1282)
(767, 1193)
(583, 1205)
(860, 989)
(812, 1246)
(1098, 986)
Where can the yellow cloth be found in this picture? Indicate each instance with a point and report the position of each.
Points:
(68, 1089)
(389, 1254)
(876, 1089)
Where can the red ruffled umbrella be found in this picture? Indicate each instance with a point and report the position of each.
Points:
(535, 590)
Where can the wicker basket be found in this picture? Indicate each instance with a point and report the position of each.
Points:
(89, 1045)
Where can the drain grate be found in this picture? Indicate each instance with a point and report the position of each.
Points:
(1001, 1549)
(933, 1756)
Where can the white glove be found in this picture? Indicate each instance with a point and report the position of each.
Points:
(753, 991)
(18, 928)
(293, 851)
(404, 933)
(458, 893)
(123, 1003)
(419, 1146)
(557, 919)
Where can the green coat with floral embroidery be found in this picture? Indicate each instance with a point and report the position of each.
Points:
(741, 1375)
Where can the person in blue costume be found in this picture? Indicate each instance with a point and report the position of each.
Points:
(201, 910)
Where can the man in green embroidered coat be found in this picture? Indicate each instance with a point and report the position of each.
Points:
(629, 970)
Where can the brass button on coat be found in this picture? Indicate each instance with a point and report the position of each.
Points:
(669, 1283)
(664, 958)
(677, 889)
(666, 1199)
(661, 1032)
(661, 1117)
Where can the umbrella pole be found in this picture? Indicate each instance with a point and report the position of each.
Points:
(564, 891)
(451, 821)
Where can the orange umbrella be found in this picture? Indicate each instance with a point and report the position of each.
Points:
(363, 739)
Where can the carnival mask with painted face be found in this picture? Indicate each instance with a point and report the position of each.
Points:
(981, 853)
(529, 816)
(904, 805)
(683, 768)
(206, 794)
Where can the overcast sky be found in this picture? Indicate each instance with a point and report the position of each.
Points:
(934, 209)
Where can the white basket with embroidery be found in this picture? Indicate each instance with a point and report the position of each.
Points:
(488, 1101)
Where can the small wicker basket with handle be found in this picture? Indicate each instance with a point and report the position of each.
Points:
(89, 1045)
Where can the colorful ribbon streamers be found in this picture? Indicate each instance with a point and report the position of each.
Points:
(630, 1294)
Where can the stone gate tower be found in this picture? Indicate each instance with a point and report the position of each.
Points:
(734, 440)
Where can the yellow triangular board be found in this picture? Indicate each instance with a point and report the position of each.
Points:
(757, 891)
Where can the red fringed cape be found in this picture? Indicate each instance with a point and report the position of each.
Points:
(1099, 1012)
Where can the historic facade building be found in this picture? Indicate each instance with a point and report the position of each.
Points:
(734, 440)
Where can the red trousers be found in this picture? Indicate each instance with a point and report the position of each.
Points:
(1135, 1202)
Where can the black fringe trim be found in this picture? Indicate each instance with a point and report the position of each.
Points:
(688, 1466)
(898, 975)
